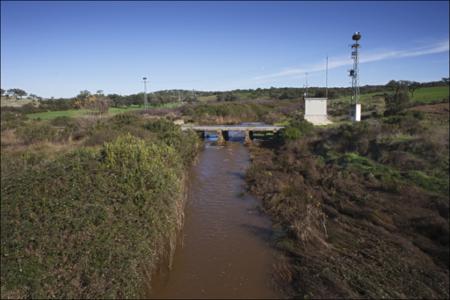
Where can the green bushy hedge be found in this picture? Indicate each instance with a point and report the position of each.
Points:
(90, 223)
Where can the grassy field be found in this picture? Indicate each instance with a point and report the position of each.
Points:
(423, 95)
(207, 98)
(375, 102)
(431, 94)
(48, 115)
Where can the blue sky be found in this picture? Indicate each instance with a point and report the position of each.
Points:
(59, 48)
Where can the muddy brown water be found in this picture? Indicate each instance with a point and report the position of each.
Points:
(224, 250)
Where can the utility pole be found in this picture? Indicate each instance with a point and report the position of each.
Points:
(306, 84)
(145, 93)
(326, 80)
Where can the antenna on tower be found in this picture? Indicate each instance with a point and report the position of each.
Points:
(354, 74)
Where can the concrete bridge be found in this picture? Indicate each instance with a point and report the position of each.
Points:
(222, 131)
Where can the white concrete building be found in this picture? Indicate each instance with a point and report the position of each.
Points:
(316, 111)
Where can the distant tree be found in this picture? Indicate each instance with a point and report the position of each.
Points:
(103, 104)
(332, 94)
(17, 92)
(396, 102)
(191, 97)
(413, 86)
(319, 94)
(21, 93)
(284, 95)
(81, 99)
(83, 94)
(392, 85)
(34, 97)
(446, 80)
(227, 96)
(11, 92)
(410, 86)
(2, 91)
(96, 103)
(116, 100)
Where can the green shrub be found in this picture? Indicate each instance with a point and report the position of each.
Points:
(389, 177)
(63, 121)
(36, 132)
(68, 128)
(87, 224)
(427, 182)
(125, 119)
(291, 133)
(397, 102)
(99, 136)
(186, 143)
(407, 122)
(11, 120)
(297, 128)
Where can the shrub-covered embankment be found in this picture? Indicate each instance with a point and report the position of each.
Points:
(238, 112)
(362, 210)
(93, 221)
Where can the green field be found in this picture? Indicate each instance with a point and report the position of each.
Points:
(423, 95)
(48, 115)
(431, 94)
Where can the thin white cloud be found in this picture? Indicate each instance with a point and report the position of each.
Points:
(336, 62)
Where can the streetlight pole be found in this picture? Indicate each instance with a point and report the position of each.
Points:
(145, 93)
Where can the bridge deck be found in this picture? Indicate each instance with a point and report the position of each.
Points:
(232, 127)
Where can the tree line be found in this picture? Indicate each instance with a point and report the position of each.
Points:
(18, 94)
(101, 102)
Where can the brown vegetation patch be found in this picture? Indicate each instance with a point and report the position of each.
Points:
(439, 108)
(364, 208)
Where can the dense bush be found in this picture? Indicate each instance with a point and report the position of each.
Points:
(161, 130)
(185, 143)
(227, 97)
(91, 222)
(396, 102)
(88, 224)
(36, 132)
(11, 120)
(297, 128)
(239, 111)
